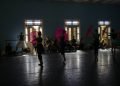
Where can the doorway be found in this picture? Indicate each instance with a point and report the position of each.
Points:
(72, 28)
(31, 29)
(104, 31)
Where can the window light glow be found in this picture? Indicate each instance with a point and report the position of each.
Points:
(35, 27)
(66, 29)
(107, 22)
(26, 35)
(72, 23)
(78, 34)
(68, 23)
(104, 23)
(33, 22)
(30, 35)
(101, 23)
(41, 30)
(109, 30)
(98, 30)
(37, 22)
(75, 23)
(69, 33)
(74, 32)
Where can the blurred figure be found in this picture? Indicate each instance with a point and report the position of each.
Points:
(73, 42)
(34, 43)
(113, 39)
(96, 45)
(21, 44)
(8, 49)
(40, 48)
(62, 47)
(81, 45)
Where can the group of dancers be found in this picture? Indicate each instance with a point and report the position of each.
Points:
(37, 44)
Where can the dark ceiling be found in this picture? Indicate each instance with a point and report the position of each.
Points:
(114, 2)
(89, 1)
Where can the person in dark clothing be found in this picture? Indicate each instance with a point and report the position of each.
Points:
(113, 38)
(8, 49)
(62, 47)
(21, 37)
(34, 43)
(73, 42)
(40, 48)
(81, 45)
(96, 45)
(21, 43)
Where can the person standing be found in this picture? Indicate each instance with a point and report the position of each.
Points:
(21, 43)
(62, 47)
(34, 43)
(40, 48)
(96, 45)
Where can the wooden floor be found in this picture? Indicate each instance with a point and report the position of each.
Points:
(80, 69)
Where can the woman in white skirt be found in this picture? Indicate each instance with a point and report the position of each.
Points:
(21, 43)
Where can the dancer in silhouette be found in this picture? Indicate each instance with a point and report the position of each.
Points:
(40, 48)
(96, 45)
(21, 43)
(62, 47)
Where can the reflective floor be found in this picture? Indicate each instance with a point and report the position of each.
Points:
(80, 70)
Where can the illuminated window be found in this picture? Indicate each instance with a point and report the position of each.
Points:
(104, 30)
(31, 29)
(26, 34)
(78, 33)
(72, 27)
(69, 34)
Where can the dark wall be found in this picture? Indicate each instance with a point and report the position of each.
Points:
(12, 16)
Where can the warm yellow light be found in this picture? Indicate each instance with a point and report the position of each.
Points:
(98, 30)
(41, 29)
(30, 35)
(74, 32)
(66, 29)
(69, 33)
(35, 27)
(26, 34)
(78, 34)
